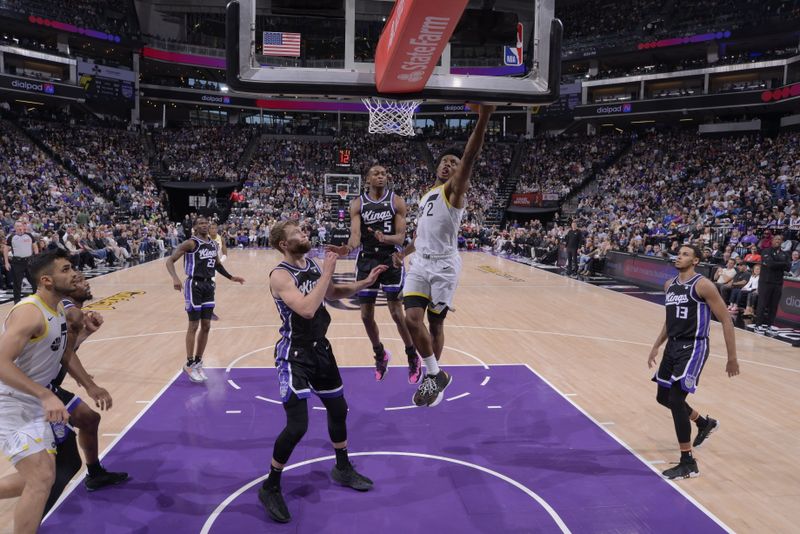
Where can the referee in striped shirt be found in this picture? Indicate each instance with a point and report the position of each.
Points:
(22, 247)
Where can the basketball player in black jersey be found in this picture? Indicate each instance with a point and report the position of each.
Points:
(378, 225)
(200, 260)
(68, 460)
(304, 357)
(690, 299)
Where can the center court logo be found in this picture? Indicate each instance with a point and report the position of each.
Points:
(46, 88)
(622, 108)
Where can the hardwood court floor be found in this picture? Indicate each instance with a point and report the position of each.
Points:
(589, 343)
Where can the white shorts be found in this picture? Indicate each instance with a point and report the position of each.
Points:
(23, 430)
(435, 280)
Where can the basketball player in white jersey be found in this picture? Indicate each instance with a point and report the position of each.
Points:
(433, 276)
(32, 345)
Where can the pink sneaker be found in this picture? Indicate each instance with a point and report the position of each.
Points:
(382, 365)
(414, 369)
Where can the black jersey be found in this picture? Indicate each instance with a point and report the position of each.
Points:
(377, 216)
(201, 262)
(295, 329)
(688, 315)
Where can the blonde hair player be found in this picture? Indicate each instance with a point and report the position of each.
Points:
(433, 276)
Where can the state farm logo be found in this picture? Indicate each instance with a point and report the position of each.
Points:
(216, 99)
(622, 108)
(46, 88)
(411, 77)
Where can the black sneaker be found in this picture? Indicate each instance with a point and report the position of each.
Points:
(104, 479)
(351, 478)
(685, 469)
(274, 504)
(702, 435)
(431, 391)
(414, 369)
(382, 365)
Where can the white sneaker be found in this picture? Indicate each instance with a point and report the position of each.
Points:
(190, 370)
(198, 368)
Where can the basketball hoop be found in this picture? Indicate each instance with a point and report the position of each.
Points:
(391, 116)
(342, 190)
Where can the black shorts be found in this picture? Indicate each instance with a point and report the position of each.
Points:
(307, 369)
(390, 281)
(682, 362)
(199, 297)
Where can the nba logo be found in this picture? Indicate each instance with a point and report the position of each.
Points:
(512, 56)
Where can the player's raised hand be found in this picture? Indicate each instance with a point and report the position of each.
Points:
(330, 261)
(341, 250)
(92, 321)
(482, 109)
(374, 274)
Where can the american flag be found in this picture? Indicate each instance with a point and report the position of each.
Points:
(281, 44)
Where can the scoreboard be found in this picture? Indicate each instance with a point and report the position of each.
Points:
(344, 157)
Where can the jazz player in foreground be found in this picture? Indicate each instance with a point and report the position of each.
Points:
(304, 357)
(433, 276)
(32, 345)
(378, 225)
(690, 299)
(201, 263)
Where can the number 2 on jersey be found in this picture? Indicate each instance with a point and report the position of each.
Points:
(428, 209)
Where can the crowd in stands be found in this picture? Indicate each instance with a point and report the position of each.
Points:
(203, 153)
(557, 165)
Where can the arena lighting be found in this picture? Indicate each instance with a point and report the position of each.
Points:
(675, 41)
(63, 26)
(643, 121)
(781, 93)
(686, 120)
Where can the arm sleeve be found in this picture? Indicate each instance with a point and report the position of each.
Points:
(222, 270)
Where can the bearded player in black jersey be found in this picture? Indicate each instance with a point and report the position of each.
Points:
(378, 225)
(200, 260)
(689, 301)
(304, 357)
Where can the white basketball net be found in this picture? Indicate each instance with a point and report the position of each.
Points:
(391, 116)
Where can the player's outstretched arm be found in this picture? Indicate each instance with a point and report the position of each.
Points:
(183, 248)
(708, 292)
(342, 291)
(224, 272)
(457, 186)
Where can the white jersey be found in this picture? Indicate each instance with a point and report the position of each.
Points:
(41, 357)
(438, 224)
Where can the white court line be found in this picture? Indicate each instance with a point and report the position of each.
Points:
(458, 397)
(259, 397)
(143, 402)
(544, 504)
(233, 384)
(78, 479)
(606, 423)
(486, 380)
(675, 486)
(490, 328)
(570, 394)
(318, 408)
(233, 411)
(657, 462)
(495, 407)
(110, 435)
(391, 408)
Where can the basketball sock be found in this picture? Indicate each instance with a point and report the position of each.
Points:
(189, 361)
(274, 478)
(701, 422)
(686, 456)
(94, 469)
(379, 352)
(342, 460)
(198, 359)
(431, 365)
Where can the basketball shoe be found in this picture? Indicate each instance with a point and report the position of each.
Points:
(702, 435)
(382, 365)
(431, 391)
(685, 469)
